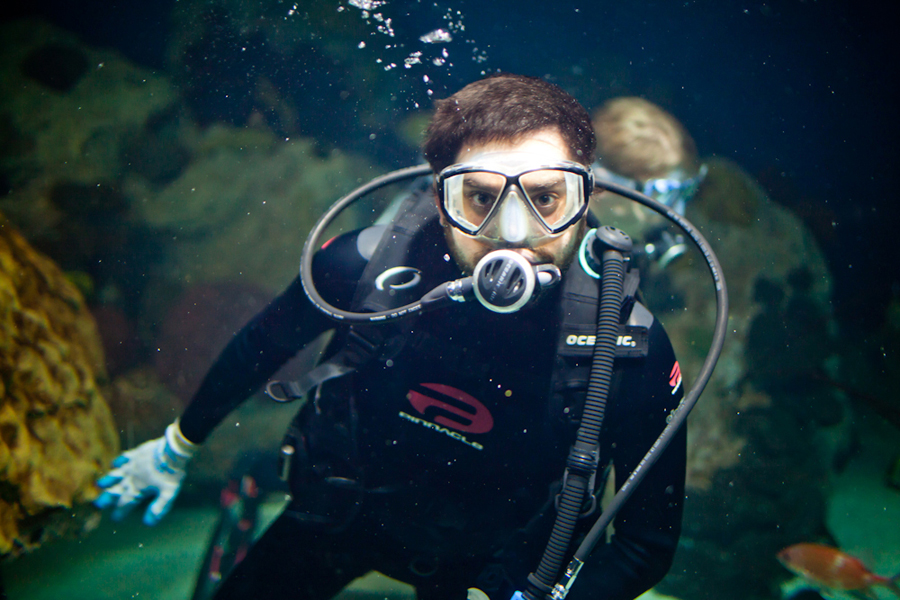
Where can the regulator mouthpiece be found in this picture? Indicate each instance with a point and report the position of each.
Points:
(505, 281)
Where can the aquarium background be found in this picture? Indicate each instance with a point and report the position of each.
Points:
(169, 159)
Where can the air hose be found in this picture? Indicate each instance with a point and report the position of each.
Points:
(581, 466)
(540, 582)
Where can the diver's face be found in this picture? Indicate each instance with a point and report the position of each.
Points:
(559, 249)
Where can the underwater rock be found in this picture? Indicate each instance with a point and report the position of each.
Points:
(304, 71)
(767, 434)
(74, 111)
(729, 196)
(72, 139)
(196, 329)
(760, 260)
(91, 201)
(56, 431)
(141, 405)
(56, 66)
(244, 206)
(118, 332)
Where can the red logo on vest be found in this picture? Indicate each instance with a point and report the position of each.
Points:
(675, 378)
(476, 420)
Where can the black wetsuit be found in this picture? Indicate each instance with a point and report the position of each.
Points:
(457, 440)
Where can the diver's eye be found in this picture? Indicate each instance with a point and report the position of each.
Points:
(480, 199)
(545, 200)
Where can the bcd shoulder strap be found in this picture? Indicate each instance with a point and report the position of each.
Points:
(363, 343)
(577, 335)
(393, 251)
(578, 318)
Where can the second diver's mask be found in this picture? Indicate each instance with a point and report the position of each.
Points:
(674, 190)
(514, 198)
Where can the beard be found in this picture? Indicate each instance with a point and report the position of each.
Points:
(467, 252)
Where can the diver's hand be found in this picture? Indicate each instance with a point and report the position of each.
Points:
(155, 468)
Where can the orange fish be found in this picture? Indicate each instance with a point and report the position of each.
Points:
(830, 570)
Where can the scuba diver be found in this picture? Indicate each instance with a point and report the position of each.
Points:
(645, 148)
(443, 441)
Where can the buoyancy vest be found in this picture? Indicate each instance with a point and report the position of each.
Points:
(577, 315)
(361, 343)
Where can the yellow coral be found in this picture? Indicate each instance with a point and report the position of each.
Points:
(56, 431)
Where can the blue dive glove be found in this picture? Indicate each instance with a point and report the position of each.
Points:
(155, 468)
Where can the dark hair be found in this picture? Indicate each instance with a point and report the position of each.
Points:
(505, 107)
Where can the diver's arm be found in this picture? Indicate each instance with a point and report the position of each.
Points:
(253, 355)
(649, 524)
(156, 468)
(273, 337)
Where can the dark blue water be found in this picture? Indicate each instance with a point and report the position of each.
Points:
(799, 93)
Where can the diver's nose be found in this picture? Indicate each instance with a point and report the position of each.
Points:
(513, 218)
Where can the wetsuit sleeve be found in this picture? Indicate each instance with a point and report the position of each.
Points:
(648, 526)
(273, 337)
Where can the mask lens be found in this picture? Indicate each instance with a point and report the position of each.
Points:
(557, 196)
(469, 197)
(665, 191)
(674, 192)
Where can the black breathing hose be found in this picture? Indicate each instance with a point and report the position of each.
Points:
(312, 244)
(678, 417)
(584, 455)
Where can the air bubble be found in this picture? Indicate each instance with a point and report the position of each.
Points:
(366, 4)
(413, 59)
(438, 36)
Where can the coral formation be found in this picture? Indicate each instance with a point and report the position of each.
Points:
(73, 109)
(766, 435)
(56, 431)
(243, 207)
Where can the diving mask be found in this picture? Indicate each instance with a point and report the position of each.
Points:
(514, 198)
(674, 190)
